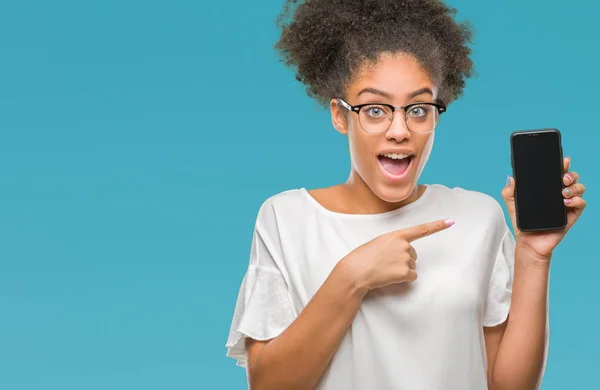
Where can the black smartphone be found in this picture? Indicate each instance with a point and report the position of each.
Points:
(537, 163)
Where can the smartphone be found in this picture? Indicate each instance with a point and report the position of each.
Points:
(537, 163)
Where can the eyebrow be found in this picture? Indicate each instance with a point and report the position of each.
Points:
(388, 96)
(420, 92)
(375, 92)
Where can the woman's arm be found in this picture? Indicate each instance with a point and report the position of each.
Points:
(520, 360)
(516, 350)
(297, 358)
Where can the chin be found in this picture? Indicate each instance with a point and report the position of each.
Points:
(396, 193)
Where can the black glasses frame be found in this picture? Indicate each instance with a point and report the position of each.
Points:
(440, 107)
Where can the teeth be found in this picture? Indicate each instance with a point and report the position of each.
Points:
(396, 156)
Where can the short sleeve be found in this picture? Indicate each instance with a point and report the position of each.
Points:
(263, 308)
(497, 303)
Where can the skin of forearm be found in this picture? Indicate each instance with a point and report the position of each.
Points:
(298, 357)
(520, 358)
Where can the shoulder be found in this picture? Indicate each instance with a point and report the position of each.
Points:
(468, 202)
(480, 218)
(286, 204)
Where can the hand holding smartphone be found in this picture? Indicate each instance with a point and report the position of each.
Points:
(537, 163)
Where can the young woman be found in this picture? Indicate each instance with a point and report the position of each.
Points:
(379, 282)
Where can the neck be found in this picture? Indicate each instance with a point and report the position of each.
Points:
(362, 200)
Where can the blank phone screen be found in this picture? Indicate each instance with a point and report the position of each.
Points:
(537, 165)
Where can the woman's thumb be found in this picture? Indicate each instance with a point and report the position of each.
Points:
(508, 194)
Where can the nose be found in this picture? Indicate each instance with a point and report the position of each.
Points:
(398, 130)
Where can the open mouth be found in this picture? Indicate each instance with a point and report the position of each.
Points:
(395, 164)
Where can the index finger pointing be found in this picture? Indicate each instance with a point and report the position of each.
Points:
(424, 230)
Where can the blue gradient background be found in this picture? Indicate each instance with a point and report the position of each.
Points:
(139, 138)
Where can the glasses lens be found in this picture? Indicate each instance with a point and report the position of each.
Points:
(375, 118)
(422, 118)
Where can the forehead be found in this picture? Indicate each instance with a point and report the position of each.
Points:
(398, 75)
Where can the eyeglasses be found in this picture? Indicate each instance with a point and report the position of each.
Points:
(420, 118)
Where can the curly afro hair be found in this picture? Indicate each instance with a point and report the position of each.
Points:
(327, 41)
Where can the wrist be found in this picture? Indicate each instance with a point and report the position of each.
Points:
(351, 278)
(529, 258)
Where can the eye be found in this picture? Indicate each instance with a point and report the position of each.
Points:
(375, 111)
(419, 111)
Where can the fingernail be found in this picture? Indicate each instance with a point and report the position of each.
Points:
(449, 222)
(568, 201)
(569, 178)
(568, 191)
(507, 181)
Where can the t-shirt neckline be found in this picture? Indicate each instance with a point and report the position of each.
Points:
(403, 209)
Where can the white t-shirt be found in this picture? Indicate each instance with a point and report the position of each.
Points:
(426, 335)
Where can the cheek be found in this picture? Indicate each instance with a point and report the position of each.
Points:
(422, 143)
(362, 148)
